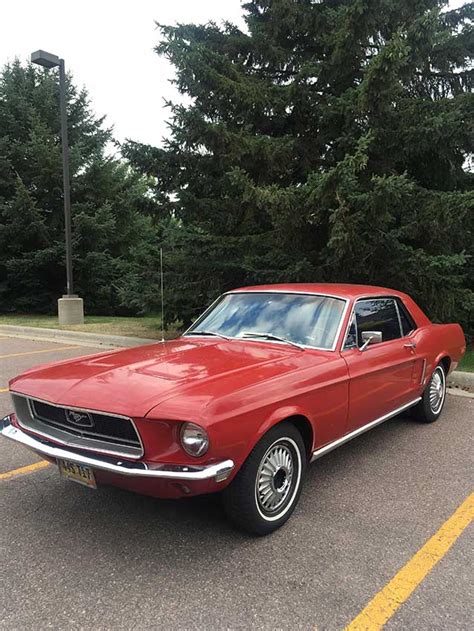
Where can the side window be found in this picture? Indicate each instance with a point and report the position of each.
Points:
(378, 314)
(407, 322)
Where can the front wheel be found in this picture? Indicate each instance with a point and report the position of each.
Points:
(431, 405)
(265, 491)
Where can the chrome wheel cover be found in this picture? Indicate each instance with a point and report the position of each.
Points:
(437, 390)
(275, 475)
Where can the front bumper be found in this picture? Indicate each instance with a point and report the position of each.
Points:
(216, 472)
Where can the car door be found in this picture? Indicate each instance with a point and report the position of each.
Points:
(381, 376)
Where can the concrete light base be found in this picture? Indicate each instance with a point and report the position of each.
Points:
(71, 310)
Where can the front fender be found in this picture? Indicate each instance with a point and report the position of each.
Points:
(277, 416)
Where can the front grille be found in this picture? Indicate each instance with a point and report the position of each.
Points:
(84, 429)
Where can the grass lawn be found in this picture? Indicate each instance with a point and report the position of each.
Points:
(467, 362)
(147, 326)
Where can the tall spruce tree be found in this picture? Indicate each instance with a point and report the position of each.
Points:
(330, 142)
(109, 203)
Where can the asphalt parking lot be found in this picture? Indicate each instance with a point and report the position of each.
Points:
(76, 558)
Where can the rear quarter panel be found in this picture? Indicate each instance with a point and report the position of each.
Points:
(437, 342)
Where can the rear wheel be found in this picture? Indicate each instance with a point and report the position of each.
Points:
(265, 491)
(431, 405)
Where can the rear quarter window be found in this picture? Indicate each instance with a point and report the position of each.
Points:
(407, 322)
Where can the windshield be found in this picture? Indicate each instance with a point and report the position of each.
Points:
(299, 318)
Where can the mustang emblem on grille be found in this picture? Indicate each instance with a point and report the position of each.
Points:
(81, 419)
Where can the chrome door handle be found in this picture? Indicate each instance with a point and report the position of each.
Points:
(410, 345)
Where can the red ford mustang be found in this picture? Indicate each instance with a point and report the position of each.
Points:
(268, 379)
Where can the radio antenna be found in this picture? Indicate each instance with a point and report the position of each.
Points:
(162, 298)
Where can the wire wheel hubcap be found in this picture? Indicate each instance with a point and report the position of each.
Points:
(437, 387)
(275, 477)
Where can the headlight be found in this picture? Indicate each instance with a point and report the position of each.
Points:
(194, 439)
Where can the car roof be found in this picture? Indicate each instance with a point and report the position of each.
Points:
(339, 290)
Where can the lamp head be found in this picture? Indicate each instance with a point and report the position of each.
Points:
(42, 58)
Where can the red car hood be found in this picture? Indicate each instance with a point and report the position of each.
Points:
(133, 381)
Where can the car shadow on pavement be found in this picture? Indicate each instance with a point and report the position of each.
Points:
(73, 553)
(113, 516)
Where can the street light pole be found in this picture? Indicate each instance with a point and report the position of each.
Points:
(70, 306)
(66, 180)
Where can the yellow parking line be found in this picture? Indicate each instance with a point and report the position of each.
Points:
(3, 389)
(22, 470)
(384, 604)
(44, 350)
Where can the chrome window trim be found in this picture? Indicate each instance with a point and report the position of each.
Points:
(203, 314)
(78, 409)
(322, 451)
(399, 318)
(377, 297)
(283, 291)
(188, 332)
(407, 315)
(351, 317)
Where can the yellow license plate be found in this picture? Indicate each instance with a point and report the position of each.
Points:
(77, 473)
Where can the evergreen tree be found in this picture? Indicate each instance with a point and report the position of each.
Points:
(109, 203)
(330, 142)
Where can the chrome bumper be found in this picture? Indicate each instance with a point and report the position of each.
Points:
(219, 471)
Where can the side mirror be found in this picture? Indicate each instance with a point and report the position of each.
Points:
(370, 337)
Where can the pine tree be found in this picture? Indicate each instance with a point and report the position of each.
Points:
(330, 142)
(109, 204)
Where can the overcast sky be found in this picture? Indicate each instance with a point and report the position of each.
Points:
(108, 45)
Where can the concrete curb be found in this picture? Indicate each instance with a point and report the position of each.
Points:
(461, 379)
(74, 337)
(457, 392)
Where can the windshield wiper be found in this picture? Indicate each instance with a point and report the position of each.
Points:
(224, 337)
(270, 336)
